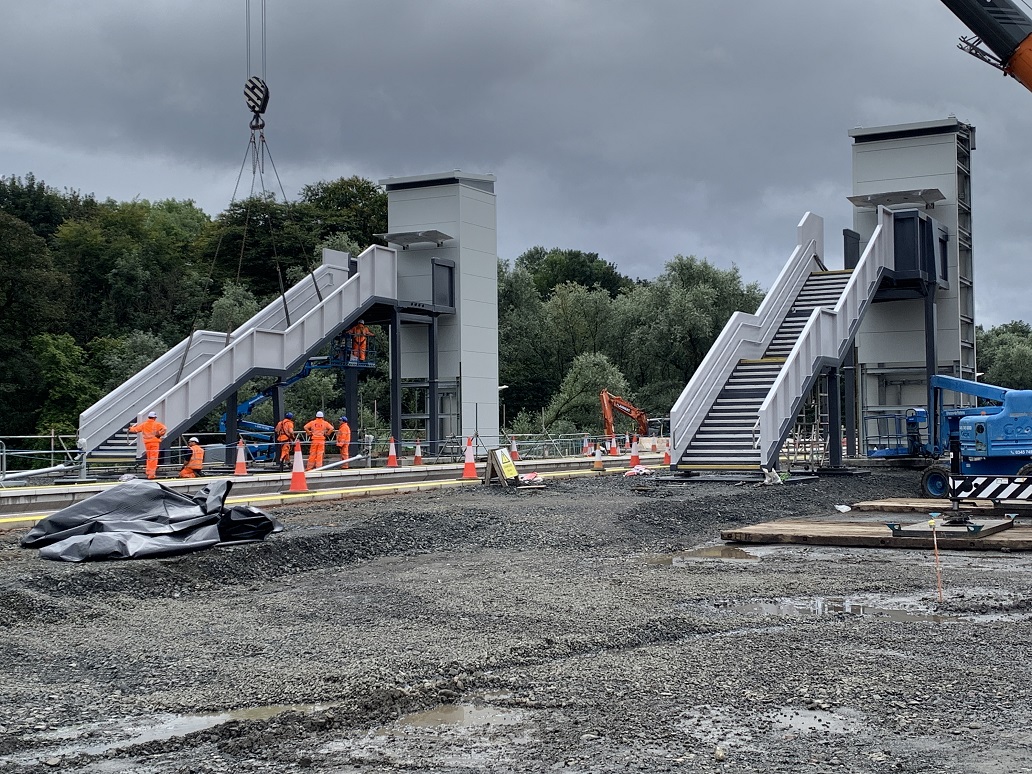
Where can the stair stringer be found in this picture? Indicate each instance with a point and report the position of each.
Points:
(120, 406)
(823, 342)
(278, 352)
(746, 336)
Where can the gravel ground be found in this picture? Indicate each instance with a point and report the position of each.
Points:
(577, 628)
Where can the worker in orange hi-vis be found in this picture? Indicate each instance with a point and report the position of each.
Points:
(359, 334)
(318, 430)
(344, 440)
(194, 465)
(152, 431)
(284, 431)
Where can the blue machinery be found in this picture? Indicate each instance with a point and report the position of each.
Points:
(988, 440)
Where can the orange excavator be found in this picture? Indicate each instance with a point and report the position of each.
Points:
(611, 403)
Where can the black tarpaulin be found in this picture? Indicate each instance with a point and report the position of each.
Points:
(141, 518)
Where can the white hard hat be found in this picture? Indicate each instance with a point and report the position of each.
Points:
(193, 439)
(152, 415)
(318, 413)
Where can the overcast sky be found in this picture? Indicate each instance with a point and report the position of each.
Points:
(638, 130)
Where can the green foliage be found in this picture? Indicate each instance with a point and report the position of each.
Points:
(1005, 355)
(526, 360)
(41, 207)
(234, 307)
(352, 206)
(577, 400)
(65, 380)
(551, 268)
(33, 301)
(115, 359)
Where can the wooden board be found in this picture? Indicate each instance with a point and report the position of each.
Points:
(918, 505)
(870, 535)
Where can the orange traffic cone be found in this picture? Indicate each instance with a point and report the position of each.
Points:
(635, 457)
(514, 454)
(655, 448)
(666, 454)
(418, 458)
(613, 450)
(598, 458)
(241, 465)
(392, 455)
(298, 482)
(586, 448)
(469, 470)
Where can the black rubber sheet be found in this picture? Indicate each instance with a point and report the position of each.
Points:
(140, 518)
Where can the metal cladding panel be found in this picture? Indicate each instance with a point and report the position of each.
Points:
(430, 210)
(414, 352)
(479, 289)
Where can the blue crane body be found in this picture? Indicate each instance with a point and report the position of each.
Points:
(989, 440)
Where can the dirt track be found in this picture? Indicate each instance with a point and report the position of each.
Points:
(484, 630)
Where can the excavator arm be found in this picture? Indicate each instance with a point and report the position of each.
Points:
(612, 403)
(1003, 35)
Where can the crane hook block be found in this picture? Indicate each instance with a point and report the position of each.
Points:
(256, 93)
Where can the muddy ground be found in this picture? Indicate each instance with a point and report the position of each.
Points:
(574, 629)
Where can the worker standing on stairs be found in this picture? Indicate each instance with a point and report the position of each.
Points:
(152, 431)
(318, 430)
(284, 431)
(194, 465)
(344, 440)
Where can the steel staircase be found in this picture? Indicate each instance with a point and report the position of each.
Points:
(726, 438)
(195, 375)
(739, 406)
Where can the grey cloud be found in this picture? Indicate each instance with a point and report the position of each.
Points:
(636, 130)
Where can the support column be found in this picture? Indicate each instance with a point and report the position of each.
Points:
(277, 402)
(231, 428)
(834, 420)
(396, 374)
(849, 387)
(433, 397)
(351, 404)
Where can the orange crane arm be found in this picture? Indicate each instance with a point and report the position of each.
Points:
(1003, 35)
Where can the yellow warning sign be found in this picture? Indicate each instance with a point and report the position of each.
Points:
(500, 466)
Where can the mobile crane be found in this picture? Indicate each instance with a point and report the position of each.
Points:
(1003, 35)
(611, 403)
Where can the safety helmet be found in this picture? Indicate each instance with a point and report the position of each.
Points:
(319, 414)
(193, 439)
(343, 419)
(289, 415)
(152, 415)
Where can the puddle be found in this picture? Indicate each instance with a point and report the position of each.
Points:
(458, 716)
(726, 552)
(99, 738)
(460, 737)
